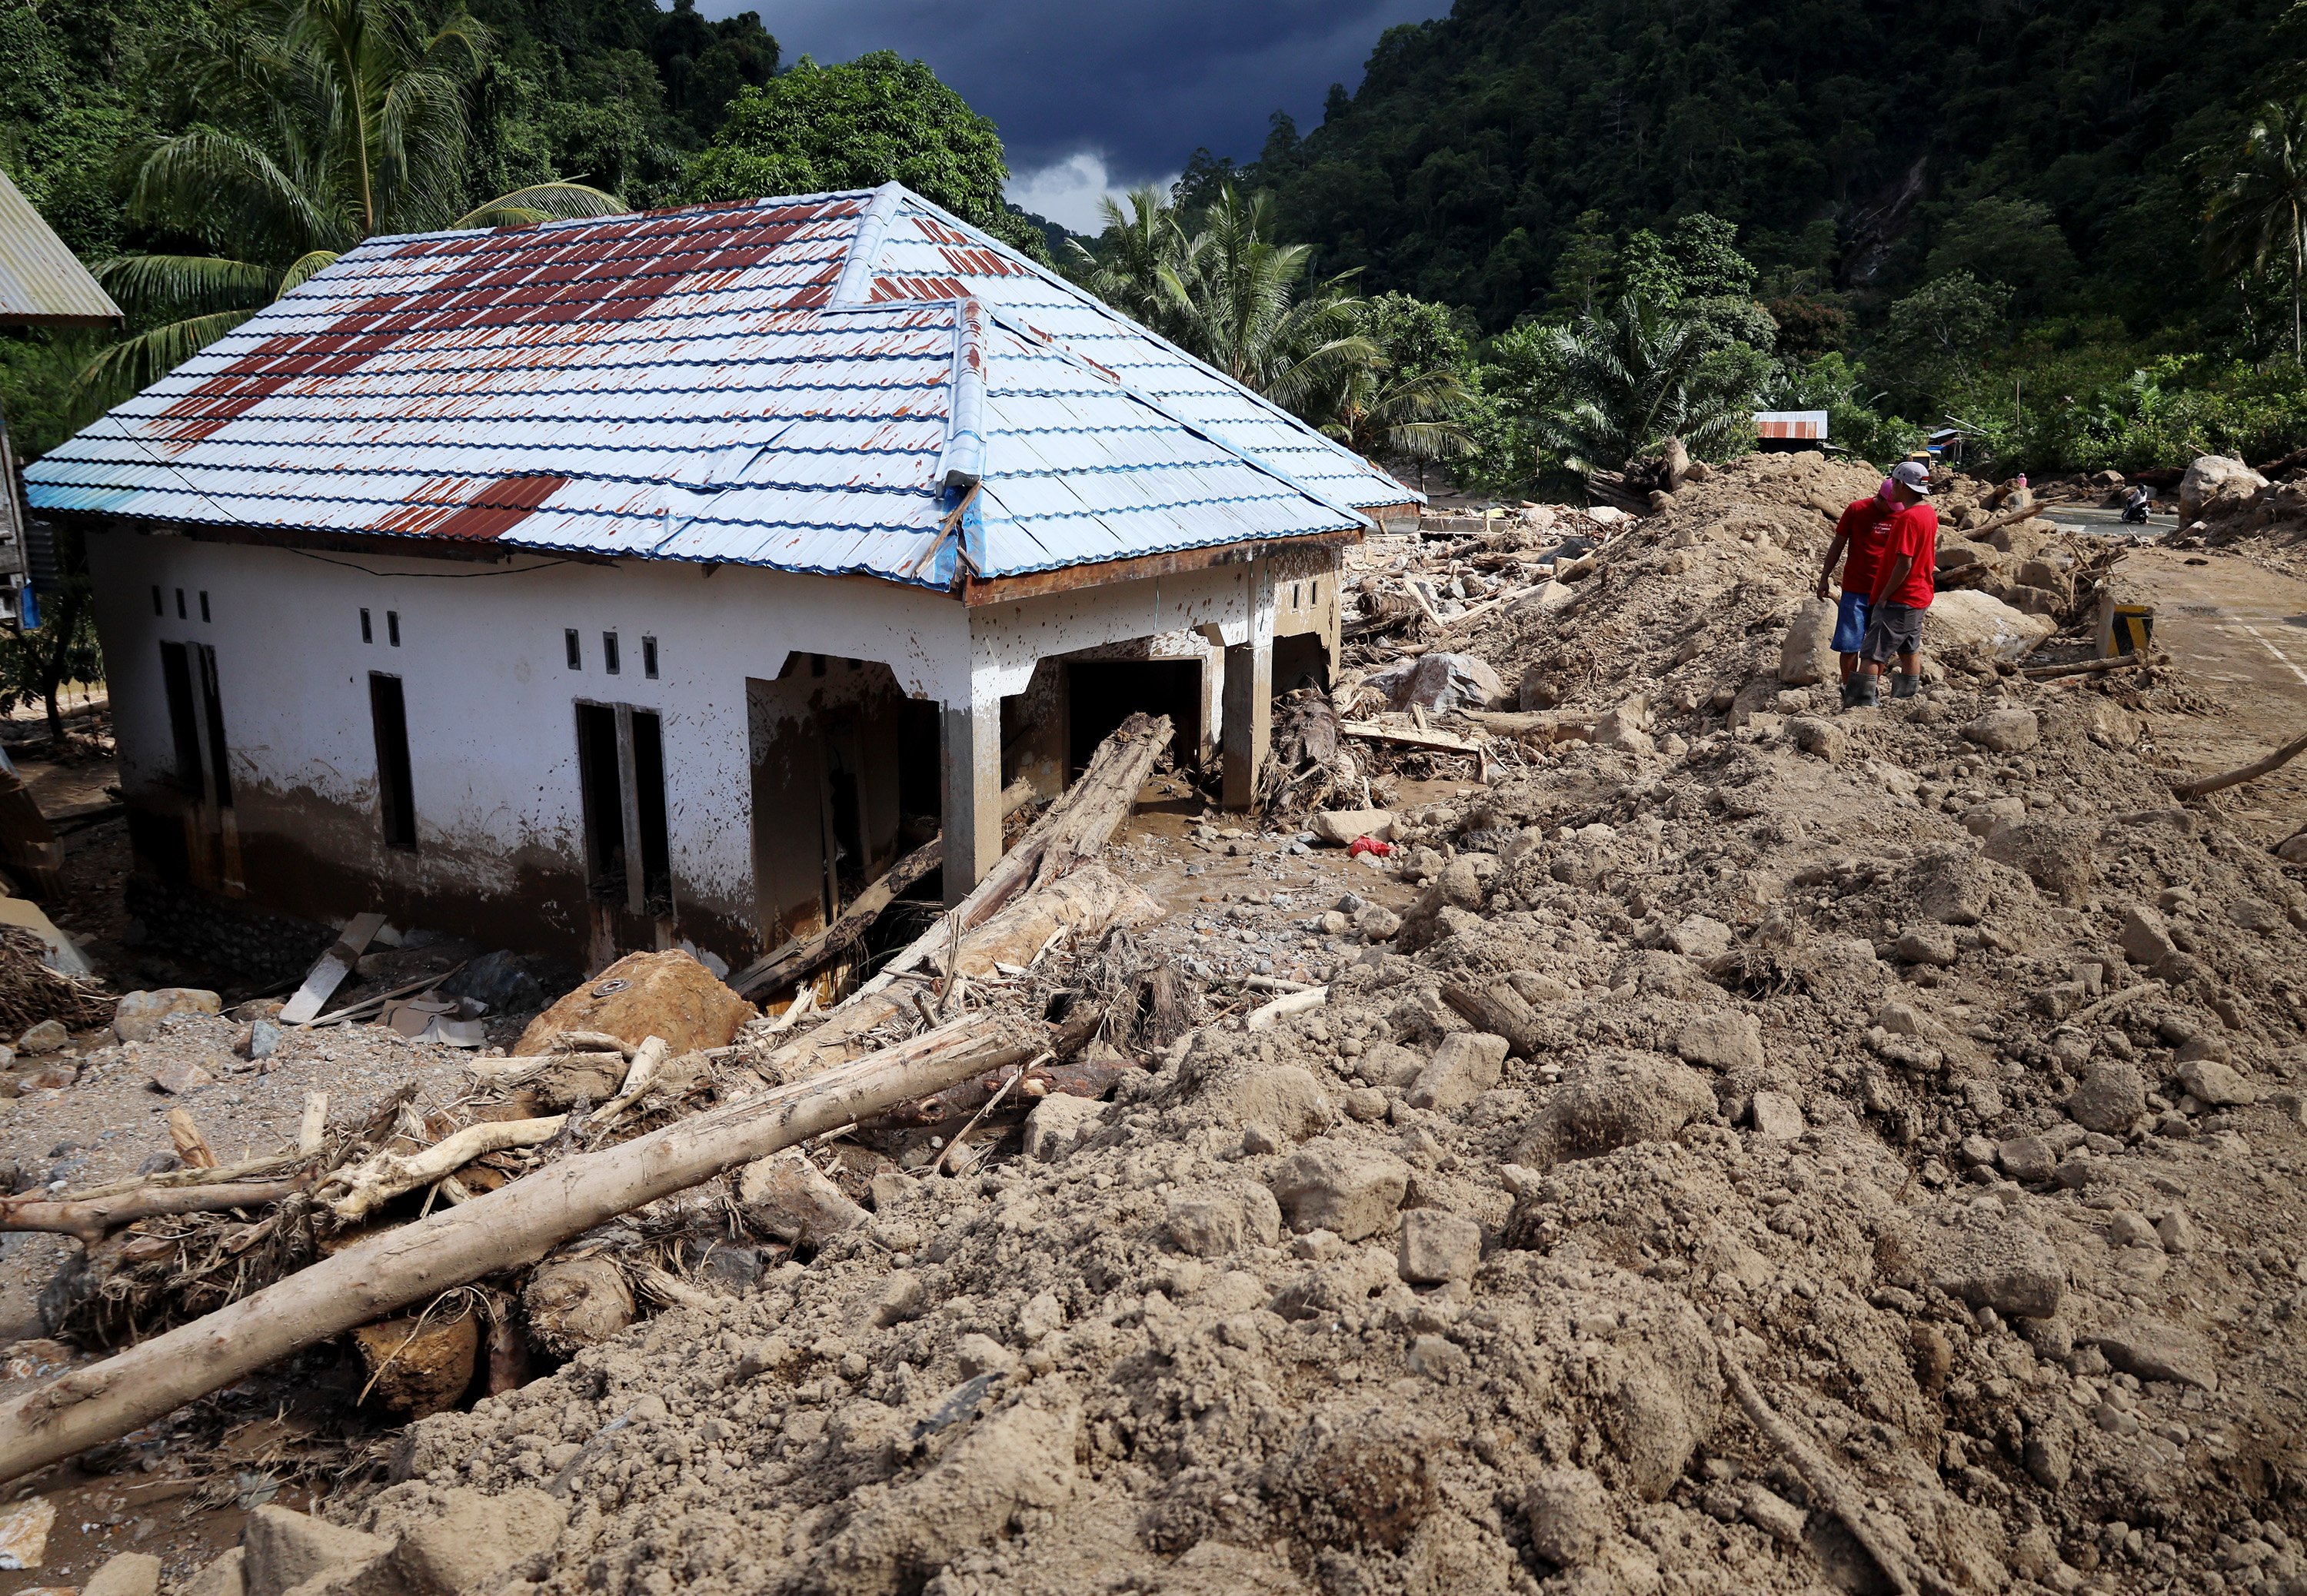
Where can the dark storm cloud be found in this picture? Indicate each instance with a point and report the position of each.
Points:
(1139, 85)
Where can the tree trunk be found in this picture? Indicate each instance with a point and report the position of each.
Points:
(513, 1225)
(52, 663)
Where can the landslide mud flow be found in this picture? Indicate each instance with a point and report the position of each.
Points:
(1725, 1144)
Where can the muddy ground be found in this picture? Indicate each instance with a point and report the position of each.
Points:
(1922, 1084)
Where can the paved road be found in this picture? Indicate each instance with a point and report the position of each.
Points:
(2240, 631)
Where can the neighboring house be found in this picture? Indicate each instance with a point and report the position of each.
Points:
(1787, 432)
(42, 284)
(604, 584)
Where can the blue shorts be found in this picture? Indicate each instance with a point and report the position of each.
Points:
(1849, 623)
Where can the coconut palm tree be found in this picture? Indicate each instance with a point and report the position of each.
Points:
(1126, 270)
(1634, 379)
(336, 120)
(1237, 298)
(2259, 211)
(1382, 410)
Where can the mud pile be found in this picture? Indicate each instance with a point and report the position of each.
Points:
(1768, 1135)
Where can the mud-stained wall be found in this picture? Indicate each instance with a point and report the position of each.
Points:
(490, 708)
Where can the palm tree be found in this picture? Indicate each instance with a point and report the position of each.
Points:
(1125, 270)
(355, 113)
(1235, 293)
(1384, 410)
(1633, 379)
(2259, 211)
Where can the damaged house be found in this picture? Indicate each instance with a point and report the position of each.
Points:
(599, 585)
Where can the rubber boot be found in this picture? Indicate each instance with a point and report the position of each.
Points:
(1865, 691)
(1906, 686)
(1849, 686)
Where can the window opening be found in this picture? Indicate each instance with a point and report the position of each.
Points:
(392, 627)
(204, 604)
(576, 650)
(610, 661)
(649, 658)
(368, 633)
(156, 609)
(180, 603)
(396, 791)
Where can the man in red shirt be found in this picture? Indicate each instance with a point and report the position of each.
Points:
(1902, 591)
(1861, 530)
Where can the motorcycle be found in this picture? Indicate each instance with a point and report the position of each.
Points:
(2135, 514)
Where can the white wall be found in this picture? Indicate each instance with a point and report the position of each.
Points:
(491, 730)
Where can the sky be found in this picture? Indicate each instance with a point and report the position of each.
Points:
(1094, 96)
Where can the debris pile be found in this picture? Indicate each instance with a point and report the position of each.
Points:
(2224, 503)
(1732, 1146)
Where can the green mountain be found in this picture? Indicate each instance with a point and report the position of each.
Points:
(1851, 139)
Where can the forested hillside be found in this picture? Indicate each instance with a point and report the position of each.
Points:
(1850, 140)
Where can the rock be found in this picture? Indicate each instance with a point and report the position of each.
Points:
(1990, 1260)
(1204, 1226)
(2128, 1228)
(226, 1576)
(1777, 1117)
(1389, 1063)
(1058, 1125)
(2028, 1159)
(2059, 856)
(976, 1353)
(2178, 1232)
(24, 1527)
(1928, 944)
(1806, 657)
(571, 1303)
(1442, 682)
(2212, 481)
(668, 994)
(1327, 1187)
(285, 1548)
(263, 1040)
(140, 1014)
(2108, 1097)
(2154, 1349)
(1466, 1064)
(1568, 1514)
(2145, 936)
(1041, 1316)
(2217, 1084)
(2005, 730)
(130, 1574)
(47, 1037)
(179, 1076)
(1437, 1248)
(1614, 1100)
(1731, 1040)
(1968, 616)
(1456, 886)
(1378, 923)
(1436, 1357)
(1816, 736)
(465, 1544)
(1621, 728)
(1339, 827)
(1700, 937)
(784, 1196)
(1996, 814)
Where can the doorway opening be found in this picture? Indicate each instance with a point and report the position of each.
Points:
(1102, 694)
(627, 849)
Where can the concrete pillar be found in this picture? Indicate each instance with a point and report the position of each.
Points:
(972, 795)
(1248, 727)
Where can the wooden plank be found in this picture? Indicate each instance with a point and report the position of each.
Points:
(1369, 731)
(331, 968)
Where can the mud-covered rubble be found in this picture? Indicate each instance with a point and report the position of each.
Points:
(2224, 503)
(1921, 1066)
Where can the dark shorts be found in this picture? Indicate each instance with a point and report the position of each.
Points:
(1849, 623)
(1891, 630)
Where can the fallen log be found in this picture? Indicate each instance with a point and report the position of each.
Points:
(1076, 828)
(1499, 1011)
(2085, 667)
(516, 1225)
(2249, 773)
(1557, 725)
(389, 1174)
(89, 1219)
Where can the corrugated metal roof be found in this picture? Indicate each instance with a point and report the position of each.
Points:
(43, 284)
(1804, 425)
(811, 384)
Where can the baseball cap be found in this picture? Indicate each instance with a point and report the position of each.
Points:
(1912, 473)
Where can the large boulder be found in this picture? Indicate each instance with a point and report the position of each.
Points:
(1612, 1102)
(1350, 1193)
(1443, 682)
(1806, 657)
(140, 1015)
(668, 994)
(1966, 616)
(2214, 483)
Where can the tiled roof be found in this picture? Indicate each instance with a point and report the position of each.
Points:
(811, 384)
